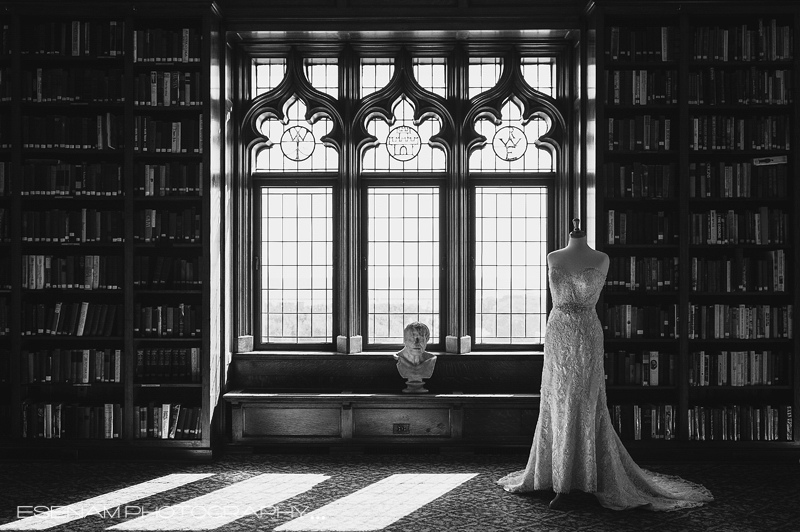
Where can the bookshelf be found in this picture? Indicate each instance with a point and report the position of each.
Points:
(695, 196)
(108, 160)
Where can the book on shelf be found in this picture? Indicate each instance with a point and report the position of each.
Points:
(647, 421)
(737, 180)
(635, 227)
(740, 368)
(152, 321)
(91, 39)
(759, 40)
(159, 45)
(639, 368)
(168, 364)
(764, 271)
(632, 321)
(649, 274)
(152, 135)
(74, 319)
(75, 226)
(61, 420)
(760, 225)
(170, 179)
(100, 132)
(73, 85)
(56, 178)
(86, 272)
(742, 321)
(158, 225)
(743, 422)
(165, 88)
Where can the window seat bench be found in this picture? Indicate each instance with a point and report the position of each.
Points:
(344, 420)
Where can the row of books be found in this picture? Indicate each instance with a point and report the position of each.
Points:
(763, 273)
(745, 322)
(641, 87)
(651, 43)
(71, 319)
(728, 132)
(5, 84)
(5, 131)
(639, 180)
(5, 366)
(86, 272)
(170, 179)
(74, 39)
(71, 366)
(763, 226)
(5, 39)
(643, 368)
(56, 178)
(631, 321)
(158, 225)
(168, 88)
(5, 317)
(69, 420)
(640, 133)
(647, 421)
(167, 321)
(73, 85)
(629, 227)
(740, 368)
(741, 423)
(4, 224)
(763, 40)
(72, 226)
(99, 132)
(5, 272)
(166, 45)
(166, 272)
(168, 365)
(5, 178)
(740, 179)
(650, 274)
(752, 86)
(165, 136)
(167, 421)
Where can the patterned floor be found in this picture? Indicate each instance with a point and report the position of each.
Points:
(419, 493)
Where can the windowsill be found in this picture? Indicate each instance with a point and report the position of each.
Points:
(375, 355)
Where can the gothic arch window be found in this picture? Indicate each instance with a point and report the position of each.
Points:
(404, 181)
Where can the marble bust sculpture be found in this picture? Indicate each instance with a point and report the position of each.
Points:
(413, 362)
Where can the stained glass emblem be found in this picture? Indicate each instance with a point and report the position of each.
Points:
(510, 143)
(297, 143)
(403, 143)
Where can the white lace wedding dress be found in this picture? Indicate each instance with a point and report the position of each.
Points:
(575, 445)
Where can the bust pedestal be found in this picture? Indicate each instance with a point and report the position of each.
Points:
(415, 373)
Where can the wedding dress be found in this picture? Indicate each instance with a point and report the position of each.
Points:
(575, 445)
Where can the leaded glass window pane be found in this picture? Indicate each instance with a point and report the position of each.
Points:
(510, 265)
(323, 74)
(267, 74)
(296, 146)
(540, 74)
(296, 265)
(431, 74)
(484, 72)
(375, 74)
(404, 146)
(403, 262)
(510, 145)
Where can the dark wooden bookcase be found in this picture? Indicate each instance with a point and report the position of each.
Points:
(111, 207)
(685, 239)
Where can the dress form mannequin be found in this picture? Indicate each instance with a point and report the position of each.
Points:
(577, 255)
